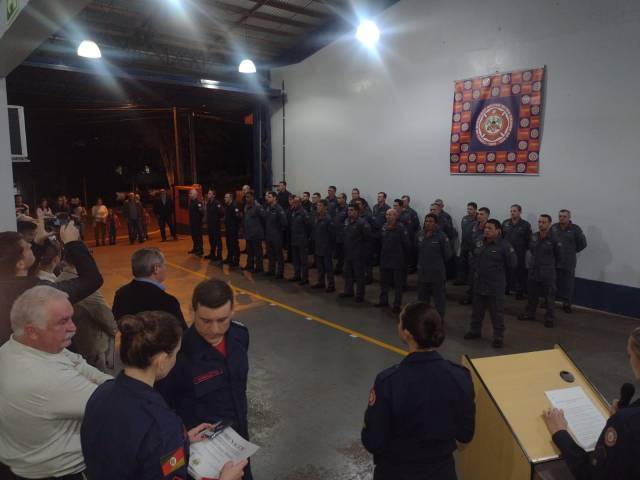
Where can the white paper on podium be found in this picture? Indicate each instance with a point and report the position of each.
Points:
(585, 421)
(206, 458)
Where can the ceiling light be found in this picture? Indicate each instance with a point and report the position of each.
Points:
(206, 83)
(368, 33)
(247, 66)
(89, 49)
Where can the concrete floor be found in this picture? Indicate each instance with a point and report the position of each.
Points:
(313, 357)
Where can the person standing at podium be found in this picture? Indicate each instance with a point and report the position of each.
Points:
(419, 408)
(618, 449)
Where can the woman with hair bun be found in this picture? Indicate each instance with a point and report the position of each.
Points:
(128, 431)
(419, 408)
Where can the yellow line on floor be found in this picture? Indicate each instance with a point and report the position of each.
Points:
(302, 313)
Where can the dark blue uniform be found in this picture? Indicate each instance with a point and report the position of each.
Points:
(129, 432)
(232, 219)
(434, 251)
(617, 451)
(275, 224)
(339, 217)
(395, 245)
(573, 241)
(215, 213)
(417, 411)
(324, 239)
(300, 228)
(254, 235)
(204, 386)
(356, 235)
(518, 235)
(546, 254)
(195, 224)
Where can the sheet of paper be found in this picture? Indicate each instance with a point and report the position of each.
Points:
(207, 457)
(585, 420)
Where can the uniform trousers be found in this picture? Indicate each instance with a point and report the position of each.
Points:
(300, 261)
(233, 246)
(324, 264)
(276, 257)
(254, 255)
(495, 305)
(215, 243)
(354, 270)
(437, 290)
(565, 279)
(542, 288)
(389, 276)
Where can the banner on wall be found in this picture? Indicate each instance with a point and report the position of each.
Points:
(496, 124)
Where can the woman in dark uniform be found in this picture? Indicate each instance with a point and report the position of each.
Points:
(420, 408)
(128, 431)
(617, 453)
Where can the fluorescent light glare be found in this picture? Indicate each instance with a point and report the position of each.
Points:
(368, 33)
(89, 49)
(206, 83)
(247, 66)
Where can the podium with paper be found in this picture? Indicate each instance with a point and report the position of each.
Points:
(511, 441)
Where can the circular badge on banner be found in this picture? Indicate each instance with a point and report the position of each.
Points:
(511, 156)
(464, 127)
(458, 96)
(535, 110)
(480, 168)
(495, 91)
(456, 117)
(537, 86)
(455, 137)
(526, 76)
(506, 78)
(464, 147)
(535, 133)
(486, 81)
(455, 158)
(524, 122)
(494, 124)
(463, 168)
(491, 157)
(522, 144)
(521, 167)
(533, 156)
(515, 89)
(466, 106)
(526, 99)
(472, 157)
(467, 84)
(476, 94)
(500, 167)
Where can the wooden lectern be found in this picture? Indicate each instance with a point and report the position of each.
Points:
(511, 441)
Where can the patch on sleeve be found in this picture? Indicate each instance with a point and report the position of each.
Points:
(372, 397)
(610, 437)
(172, 462)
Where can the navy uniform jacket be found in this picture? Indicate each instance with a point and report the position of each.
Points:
(433, 253)
(546, 254)
(417, 411)
(573, 241)
(306, 204)
(517, 235)
(492, 260)
(204, 386)
(283, 199)
(412, 224)
(195, 215)
(300, 227)
(129, 432)
(332, 204)
(324, 236)
(166, 209)
(215, 212)
(466, 226)
(253, 227)
(380, 214)
(445, 223)
(356, 236)
(232, 217)
(339, 218)
(275, 223)
(395, 247)
(617, 451)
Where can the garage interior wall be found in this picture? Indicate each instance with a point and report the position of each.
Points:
(381, 121)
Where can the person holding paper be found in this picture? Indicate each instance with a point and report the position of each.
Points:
(420, 408)
(209, 382)
(618, 449)
(128, 431)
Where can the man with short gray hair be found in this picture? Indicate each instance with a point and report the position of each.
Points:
(146, 291)
(41, 412)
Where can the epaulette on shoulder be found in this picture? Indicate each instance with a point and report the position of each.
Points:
(383, 375)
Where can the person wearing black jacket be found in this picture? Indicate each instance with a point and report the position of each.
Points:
(253, 233)
(146, 291)
(164, 210)
(16, 258)
(214, 212)
(196, 211)
(324, 240)
(339, 217)
(300, 228)
(275, 223)
(232, 219)
(395, 245)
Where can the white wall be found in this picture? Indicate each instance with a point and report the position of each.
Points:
(384, 123)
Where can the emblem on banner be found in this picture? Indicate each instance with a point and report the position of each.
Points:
(494, 124)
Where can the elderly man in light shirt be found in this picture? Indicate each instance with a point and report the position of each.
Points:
(43, 389)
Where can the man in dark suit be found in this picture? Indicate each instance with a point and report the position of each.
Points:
(164, 210)
(146, 291)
